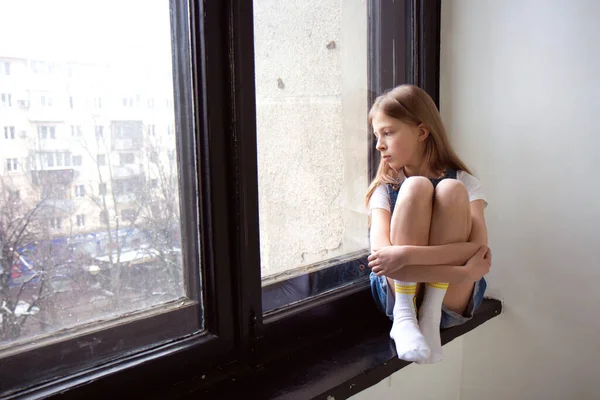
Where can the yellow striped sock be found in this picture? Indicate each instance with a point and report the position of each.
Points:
(438, 285)
(405, 289)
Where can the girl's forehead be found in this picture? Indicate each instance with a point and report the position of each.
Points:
(380, 119)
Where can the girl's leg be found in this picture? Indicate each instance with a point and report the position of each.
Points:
(450, 223)
(410, 226)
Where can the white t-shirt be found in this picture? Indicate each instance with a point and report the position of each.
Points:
(381, 198)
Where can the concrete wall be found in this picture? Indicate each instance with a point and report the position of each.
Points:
(520, 94)
(311, 95)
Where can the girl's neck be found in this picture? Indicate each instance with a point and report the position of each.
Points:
(410, 170)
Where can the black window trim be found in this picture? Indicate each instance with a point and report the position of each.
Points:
(238, 338)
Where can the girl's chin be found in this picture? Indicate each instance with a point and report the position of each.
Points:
(394, 166)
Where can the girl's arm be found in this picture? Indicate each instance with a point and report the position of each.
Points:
(425, 263)
(380, 239)
(380, 229)
(454, 253)
(474, 269)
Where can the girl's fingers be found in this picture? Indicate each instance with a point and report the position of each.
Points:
(372, 256)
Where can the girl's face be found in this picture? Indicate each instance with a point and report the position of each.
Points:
(400, 144)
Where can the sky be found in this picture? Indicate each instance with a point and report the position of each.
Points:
(86, 30)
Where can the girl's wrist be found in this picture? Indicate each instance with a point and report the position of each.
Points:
(407, 255)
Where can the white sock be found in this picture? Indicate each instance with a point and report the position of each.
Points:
(410, 343)
(430, 314)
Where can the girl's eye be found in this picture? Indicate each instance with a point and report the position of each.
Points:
(387, 133)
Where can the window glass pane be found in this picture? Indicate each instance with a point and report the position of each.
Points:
(77, 251)
(311, 100)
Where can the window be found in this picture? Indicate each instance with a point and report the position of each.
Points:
(153, 183)
(4, 68)
(46, 131)
(11, 164)
(150, 103)
(46, 100)
(99, 129)
(37, 67)
(127, 274)
(43, 132)
(320, 226)
(9, 132)
(79, 190)
(153, 157)
(128, 185)
(154, 210)
(6, 100)
(152, 130)
(76, 131)
(15, 195)
(55, 223)
(128, 130)
(80, 220)
(103, 217)
(128, 215)
(172, 279)
(126, 158)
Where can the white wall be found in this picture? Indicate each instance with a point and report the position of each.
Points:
(419, 382)
(520, 93)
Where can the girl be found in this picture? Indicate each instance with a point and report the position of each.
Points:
(427, 225)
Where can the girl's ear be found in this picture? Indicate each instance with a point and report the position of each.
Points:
(423, 132)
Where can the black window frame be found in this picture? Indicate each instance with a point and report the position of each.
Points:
(238, 338)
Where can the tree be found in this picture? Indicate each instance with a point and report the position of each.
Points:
(31, 259)
(137, 193)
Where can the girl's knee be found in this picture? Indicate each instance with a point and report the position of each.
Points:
(452, 191)
(416, 186)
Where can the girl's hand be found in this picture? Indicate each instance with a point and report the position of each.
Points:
(387, 260)
(478, 265)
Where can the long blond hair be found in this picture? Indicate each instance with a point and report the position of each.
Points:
(412, 105)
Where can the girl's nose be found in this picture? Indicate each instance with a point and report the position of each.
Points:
(380, 145)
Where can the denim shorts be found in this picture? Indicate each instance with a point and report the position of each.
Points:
(379, 289)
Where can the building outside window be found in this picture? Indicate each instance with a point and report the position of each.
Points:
(4, 68)
(80, 220)
(79, 190)
(11, 164)
(9, 132)
(6, 100)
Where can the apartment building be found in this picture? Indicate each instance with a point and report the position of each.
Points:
(90, 144)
